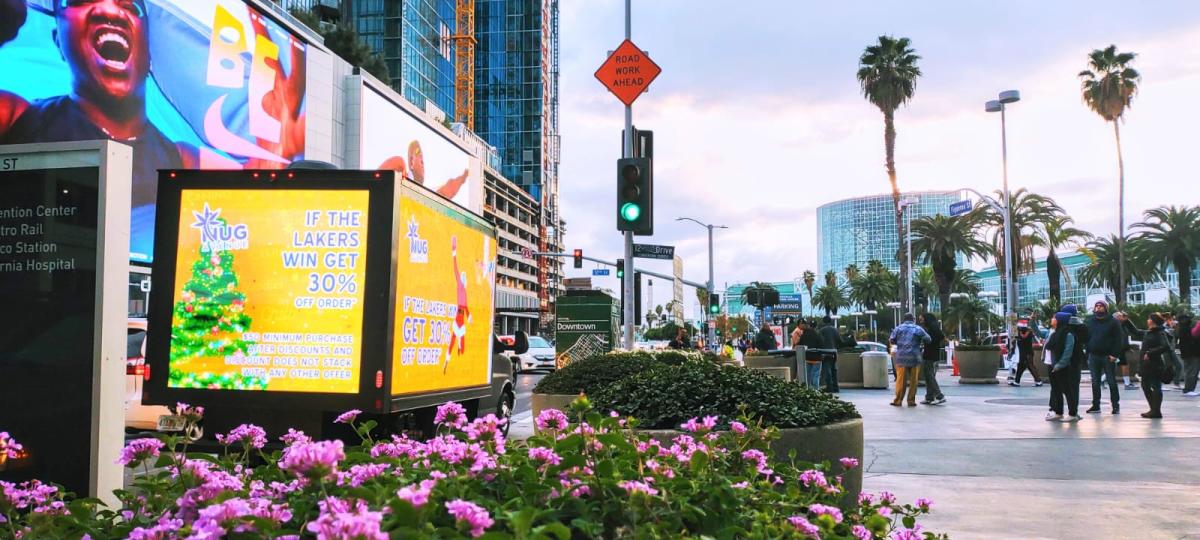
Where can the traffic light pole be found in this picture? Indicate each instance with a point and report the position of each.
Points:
(627, 281)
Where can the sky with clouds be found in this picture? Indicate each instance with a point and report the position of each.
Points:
(758, 118)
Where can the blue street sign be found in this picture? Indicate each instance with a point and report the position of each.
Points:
(599, 271)
(959, 208)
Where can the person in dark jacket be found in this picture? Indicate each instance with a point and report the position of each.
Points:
(1154, 354)
(1025, 356)
(1103, 346)
(1060, 356)
(812, 355)
(1189, 350)
(1129, 332)
(681, 340)
(830, 341)
(930, 356)
(765, 339)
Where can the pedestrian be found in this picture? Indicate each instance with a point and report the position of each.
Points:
(908, 339)
(1129, 332)
(727, 350)
(1155, 348)
(1189, 350)
(765, 339)
(1172, 328)
(830, 341)
(812, 353)
(1103, 346)
(681, 340)
(930, 356)
(743, 344)
(1059, 356)
(1025, 361)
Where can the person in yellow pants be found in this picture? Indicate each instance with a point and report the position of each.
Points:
(908, 339)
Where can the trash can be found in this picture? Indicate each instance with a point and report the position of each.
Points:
(875, 369)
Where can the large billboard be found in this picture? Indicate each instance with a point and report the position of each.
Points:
(392, 139)
(269, 290)
(187, 83)
(445, 287)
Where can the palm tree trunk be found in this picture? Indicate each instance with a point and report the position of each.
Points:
(1052, 276)
(889, 145)
(1184, 267)
(1121, 274)
(943, 283)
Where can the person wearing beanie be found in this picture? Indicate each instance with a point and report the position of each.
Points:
(1154, 350)
(1103, 346)
(1060, 357)
(1025, 361)
(908, 339)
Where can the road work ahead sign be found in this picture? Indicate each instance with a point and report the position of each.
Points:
(627, 72)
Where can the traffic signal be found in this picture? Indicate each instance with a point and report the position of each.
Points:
(578, 258)
(714, 303)
(620, 268)
(635, 196)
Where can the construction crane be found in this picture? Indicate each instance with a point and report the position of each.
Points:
(464, 62)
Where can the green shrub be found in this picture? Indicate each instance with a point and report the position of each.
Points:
(591, 373)
(666, 396)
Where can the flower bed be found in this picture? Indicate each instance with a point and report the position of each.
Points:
(593, 477)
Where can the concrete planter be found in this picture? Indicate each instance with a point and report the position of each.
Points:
(814, 444)
(773, 365)
(781, 372)
(541, 402)
(850, 369)
(977, 367)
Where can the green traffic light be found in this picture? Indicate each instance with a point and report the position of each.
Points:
(631, 211)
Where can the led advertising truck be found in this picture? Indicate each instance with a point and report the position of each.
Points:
(291, 296)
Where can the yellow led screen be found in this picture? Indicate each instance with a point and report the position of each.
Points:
(269, 290)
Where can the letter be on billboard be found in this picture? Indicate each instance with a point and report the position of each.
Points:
(65, 227)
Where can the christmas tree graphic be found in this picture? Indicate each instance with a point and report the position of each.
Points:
(209, 321)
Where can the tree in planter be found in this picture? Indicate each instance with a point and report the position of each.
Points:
(939, 240)
(1058, 233)
(1171, 236)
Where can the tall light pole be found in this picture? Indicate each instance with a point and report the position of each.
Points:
(874, 330)
(953, 297)
(908, 274)
(710, 332)
(1000, 105)
(627, 280)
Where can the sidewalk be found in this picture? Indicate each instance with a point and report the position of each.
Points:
(996, 469)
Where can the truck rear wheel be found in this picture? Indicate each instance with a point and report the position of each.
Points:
(504, 409)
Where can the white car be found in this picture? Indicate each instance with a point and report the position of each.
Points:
(138, 417)
(539, 356)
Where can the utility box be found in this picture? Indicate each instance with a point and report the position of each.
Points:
(587, 324)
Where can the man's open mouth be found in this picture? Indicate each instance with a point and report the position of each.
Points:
(112, 45)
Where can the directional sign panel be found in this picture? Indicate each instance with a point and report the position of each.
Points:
(650, 251)
(959, 208)
(599, 271)
(627, 72)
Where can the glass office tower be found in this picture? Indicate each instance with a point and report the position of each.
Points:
(856, 231)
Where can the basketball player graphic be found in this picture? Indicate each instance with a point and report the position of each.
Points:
(459, 332)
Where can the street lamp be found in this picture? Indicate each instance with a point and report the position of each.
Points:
(874, 330)
(895, 312)
(908, 274)
(989, 295)
(1000, 105)
(711, 332)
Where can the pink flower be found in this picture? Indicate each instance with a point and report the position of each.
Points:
(417, 494)
(805, 527)
(544, 455)
(163, 530)
(907, 534)
(362, 473)
(247, 434)
(551, 419)
(187, 411)
(812, 478)
(737, 427)
(9, 446)
(341, 521)
(886, 498)
(861, 533)
(823, 510)
(451, 414)
(865, 498)
(633, 486)
(139, 450)
(347, 417)
(741, 485)
(293, 437)
(471, 514)
(314, 460)
(849, 462)
(924, 503)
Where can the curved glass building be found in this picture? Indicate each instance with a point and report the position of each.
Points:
(855, 231)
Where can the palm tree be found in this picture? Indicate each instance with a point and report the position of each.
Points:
(887, 73)
(1172, 236)
(1109, 85)
(965, 311)
(938, 241)
(965, 281)
(809, 279)
(1029, 212)
(1102, 269)
(1057, 233)
(874, 287)
(830, 298)
(851, 272)
(924, 285)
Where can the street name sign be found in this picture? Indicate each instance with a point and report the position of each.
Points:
(651, 251)
(627, 72)
(959, 208)
(599, 271)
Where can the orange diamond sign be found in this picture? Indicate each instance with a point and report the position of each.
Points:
(627, 72)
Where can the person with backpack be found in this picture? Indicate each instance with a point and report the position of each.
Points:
(1157, 366)
(1189, 349)
(930, 356)
(1025, 361)
(1060, 359)
(908, 339)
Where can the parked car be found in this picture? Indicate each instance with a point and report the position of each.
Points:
(540, 355)
(139, 417)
